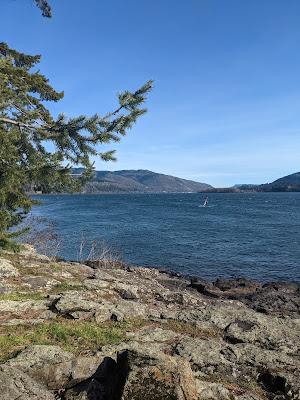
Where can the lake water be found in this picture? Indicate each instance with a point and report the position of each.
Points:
(254, 235)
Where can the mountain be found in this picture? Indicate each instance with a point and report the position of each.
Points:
(288, 183)
(289, 180)
(139, 181)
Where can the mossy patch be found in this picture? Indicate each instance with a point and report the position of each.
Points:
(22, 296)
(73, 336)
(67, 286)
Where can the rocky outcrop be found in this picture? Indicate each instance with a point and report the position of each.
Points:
(15, 385)
(74, 332)
(275, 298)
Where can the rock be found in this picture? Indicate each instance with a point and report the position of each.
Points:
(29, 252)
(266, 331)
(15, 385)
(70, 303)
(78, 306)
(123, 309)
(152, 334)
(271, 368)
(5, 288)
(127, 292)
(94, 284)
(242, 284)
(280, 300)
(7, 269)
(206, 288)
(54, 367)
(40, 282)
(23, 307)
(212, 391)
(162, 378)
(206, 356)
(105, 384)
(138, 375)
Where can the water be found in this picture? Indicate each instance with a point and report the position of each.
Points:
(254, 235)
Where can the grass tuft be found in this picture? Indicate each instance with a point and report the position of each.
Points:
(22, 296)
(73, 336)
(66, 286)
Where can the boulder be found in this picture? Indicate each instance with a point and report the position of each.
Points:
(240, 285)
(54, 367)
(75, 304)
(7, 269)
(280, 300)
(105, 384)
(127, 292)
(161, 378)
(15, 385)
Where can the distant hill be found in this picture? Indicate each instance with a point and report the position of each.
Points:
(139, 181)
(289, 183)
(293, 179)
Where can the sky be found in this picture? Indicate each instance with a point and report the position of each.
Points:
(225, 108)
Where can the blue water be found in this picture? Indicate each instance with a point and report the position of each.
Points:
(253, 235)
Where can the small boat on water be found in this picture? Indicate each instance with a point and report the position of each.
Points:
(205, 202)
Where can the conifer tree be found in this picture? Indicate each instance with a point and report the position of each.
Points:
(26, 126)
(44, 6)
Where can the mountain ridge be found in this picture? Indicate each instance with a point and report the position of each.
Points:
(139, 181)
(287, 183)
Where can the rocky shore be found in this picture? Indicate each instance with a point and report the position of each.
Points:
(92, 332)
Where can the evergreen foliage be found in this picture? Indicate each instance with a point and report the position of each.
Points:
(26, 126)
(45, 7)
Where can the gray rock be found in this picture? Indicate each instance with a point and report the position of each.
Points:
(162, 378)
(15, 385)
(54, 367)
(40, 282)
(72, 302)
(23, 307)
(127, 292)
(212, 391)
(123, 309)
(7, 269)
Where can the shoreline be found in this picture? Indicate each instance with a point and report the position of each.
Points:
(71, 331)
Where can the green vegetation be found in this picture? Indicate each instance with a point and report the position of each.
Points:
(26, 125)
(22, 296)
(66, 286)
(73, 336)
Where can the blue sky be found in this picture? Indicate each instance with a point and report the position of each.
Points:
(226, 104)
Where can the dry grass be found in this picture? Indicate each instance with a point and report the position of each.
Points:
(184, 328)
(41, 233)
(97, 253)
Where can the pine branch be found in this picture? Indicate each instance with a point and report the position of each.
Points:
(44, 6)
